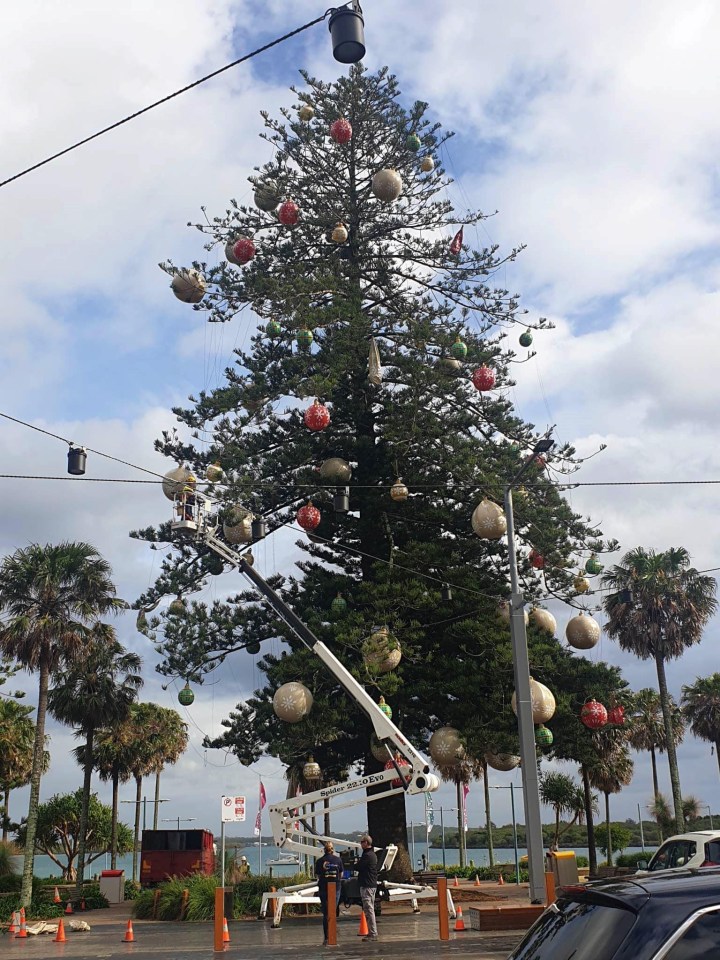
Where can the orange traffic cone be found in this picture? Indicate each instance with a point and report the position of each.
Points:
(129, 935)
(14, 923)
(456, 882)
(363, 931)
(22, 932)
(501, 881)
(477, 881)
(69, 908)
(459, 922)
(56, 897)
(226, 932)
(60, 937)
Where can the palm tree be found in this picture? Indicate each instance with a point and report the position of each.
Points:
(113, 758)
(610, 774)
(172, 741)
(50, 597)
(559, 791)
(658, 608)
(17, 735)
(646, 728)
(701, 708)
(662, 814)
(97, 689)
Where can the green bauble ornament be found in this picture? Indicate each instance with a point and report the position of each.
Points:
(186, 696)
(385, 707)
(458, 350)
(253, 647)
(273, 329)
(338, 608)
(525, 339)
(593, 566)
(305, 339)
(543, 736)
(413, 142)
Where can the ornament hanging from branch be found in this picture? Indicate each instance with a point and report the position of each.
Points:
(317, 417)
(427, 164)
(341, 131)
(243, 250)
(292, 702)
(309, 517)
(483, 378)
(387, 185)
(526, 339)
(189, 286)
(593, 715)
(374, 365)
(273, 329)
(289, 213)
(413, 142)
(582, 632)
(457, 242)
(398, 491)
(340, 234)
(306, 112)
(536, 559)
(489, 521)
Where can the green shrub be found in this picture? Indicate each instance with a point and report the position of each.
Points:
(94, 900)
(132, 890)
(7, 864)
(143, 905)
(582, 861)
(38, 909)
(201, 901)
(631, 859)
(10, 883)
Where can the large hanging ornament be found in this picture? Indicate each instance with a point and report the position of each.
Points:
(413, 142)
(402, 763)
(214, 473)
(385, 707)
(449, 365)
(265, 199)
(581, 584)
(305, 338)
(378, 749)
(427, 164)
(306, 112)
(541, 700)
(253, 647)
(616, 716)
(229, 255)
(504, 611)
(592, 566)
(459, 349)
(381, 651)
(174, 481)
(177, 607)
(338, 608)
(273, 329)
(525, 339)
(186, 696)
(582, 632)
(593, 715)
(341, 131)
(237, 527)
(374, 364)
(544, 620)
(243, 250)
(483, 378)
(309, 517)
(488, 520)
(504, 762)
(316, 417)
(292, 702)
(398, 491)
(445, 747)
(189, 286)
(543, 736)
(387, 185)
(457, 242)
(536, 559)
(289, 213)
(311, 771)
(340, 233)
(336, 470)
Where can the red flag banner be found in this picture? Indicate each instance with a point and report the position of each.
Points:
(258, 818)
(457, 242)
(263, 798)
(466, 791)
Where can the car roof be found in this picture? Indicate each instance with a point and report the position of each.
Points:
(701, 884)
(694, 835)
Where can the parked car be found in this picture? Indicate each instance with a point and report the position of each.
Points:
(662, 916)
(698, 849)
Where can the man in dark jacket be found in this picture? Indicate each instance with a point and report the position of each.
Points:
(367, 868)
(328, 867)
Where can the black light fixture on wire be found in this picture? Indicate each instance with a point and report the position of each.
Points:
(347, 31)
(77, 458)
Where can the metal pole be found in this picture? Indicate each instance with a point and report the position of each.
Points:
(709, 810)
(222, 851)
(412, 842)
(427, 838)
(526, 730)
(517, 859)
(144, 811)
(642, 837)
(442, 828)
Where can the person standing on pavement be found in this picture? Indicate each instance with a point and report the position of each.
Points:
(367, 868)
(328, 868)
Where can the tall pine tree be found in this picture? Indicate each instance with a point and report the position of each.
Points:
(360, 277)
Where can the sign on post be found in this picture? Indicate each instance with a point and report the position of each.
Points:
(233, 809)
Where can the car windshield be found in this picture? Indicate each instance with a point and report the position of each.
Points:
(581, 931)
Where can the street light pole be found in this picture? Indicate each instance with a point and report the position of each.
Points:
(511, 788)
(709, 810)
(526, 727)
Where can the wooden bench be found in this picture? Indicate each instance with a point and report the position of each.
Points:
(505, 916)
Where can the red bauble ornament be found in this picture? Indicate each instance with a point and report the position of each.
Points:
(483, 378)
(289, 213)
(616, 716)
(397, 782)
(594, 715)
(317, 417)
(537, 559)
(309, 517)
(244, 250)
(341, 131)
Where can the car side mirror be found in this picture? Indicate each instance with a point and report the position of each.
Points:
(642, 864)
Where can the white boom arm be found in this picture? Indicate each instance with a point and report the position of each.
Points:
(291, 820)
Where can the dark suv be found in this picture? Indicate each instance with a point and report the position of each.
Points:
(666, 916)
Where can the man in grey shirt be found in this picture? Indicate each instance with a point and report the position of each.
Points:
(367, 868)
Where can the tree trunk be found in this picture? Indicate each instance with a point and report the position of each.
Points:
(114, 824)
(656, 787)
(592, 852)
(609, 832)
(671, 751)
(84, 809)
(136, 843)
(6, 815)
(488, 819)
(37, 767)
(387, 824)
(157, 800)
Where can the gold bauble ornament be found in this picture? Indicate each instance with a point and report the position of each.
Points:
(488, 521)
(542, 700)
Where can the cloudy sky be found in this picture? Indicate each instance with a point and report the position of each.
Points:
(591, 129)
